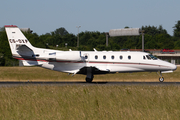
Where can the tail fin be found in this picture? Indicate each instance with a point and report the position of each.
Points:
(21, 48)
(16, 38)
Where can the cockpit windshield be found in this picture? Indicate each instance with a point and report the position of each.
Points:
(153, 57)
(149, 57)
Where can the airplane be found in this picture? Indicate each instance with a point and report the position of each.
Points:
(88, 63)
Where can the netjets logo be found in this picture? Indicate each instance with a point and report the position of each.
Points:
(18, 41)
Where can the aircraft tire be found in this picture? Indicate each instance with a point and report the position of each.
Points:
(89, 80)
(161, 79)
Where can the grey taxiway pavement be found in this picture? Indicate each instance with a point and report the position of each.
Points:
(9, 84)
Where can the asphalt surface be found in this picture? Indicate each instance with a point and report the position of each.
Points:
(10, 84)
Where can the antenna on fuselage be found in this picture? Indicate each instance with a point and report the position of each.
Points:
(94, 49)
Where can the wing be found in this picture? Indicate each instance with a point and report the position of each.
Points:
(94, 70)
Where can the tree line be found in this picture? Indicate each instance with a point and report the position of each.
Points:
(61, 39)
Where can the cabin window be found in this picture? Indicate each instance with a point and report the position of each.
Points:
(129, 57)
(121, 57)
(144, 57)
(96, 57)
(104, 57)
(112, 57)
(86, 57)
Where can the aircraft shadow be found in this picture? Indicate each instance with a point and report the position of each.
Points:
(84, 83)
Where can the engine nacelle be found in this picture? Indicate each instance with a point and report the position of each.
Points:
(69, 56)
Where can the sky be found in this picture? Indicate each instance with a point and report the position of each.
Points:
(45, 16)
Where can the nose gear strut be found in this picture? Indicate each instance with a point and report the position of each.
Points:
(161, 79)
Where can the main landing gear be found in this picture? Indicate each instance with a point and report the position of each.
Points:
(161, 79)
(90, 76)
(89, 80)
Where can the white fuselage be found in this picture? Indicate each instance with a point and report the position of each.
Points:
(107, 61)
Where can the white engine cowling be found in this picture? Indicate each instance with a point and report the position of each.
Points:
(69, 56)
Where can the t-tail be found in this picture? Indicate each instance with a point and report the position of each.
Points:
(21, 48)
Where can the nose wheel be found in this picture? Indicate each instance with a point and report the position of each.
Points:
(161, 79)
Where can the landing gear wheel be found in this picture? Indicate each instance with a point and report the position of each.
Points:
(161, 79)
(89, 80)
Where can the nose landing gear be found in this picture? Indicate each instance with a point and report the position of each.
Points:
(161, 79)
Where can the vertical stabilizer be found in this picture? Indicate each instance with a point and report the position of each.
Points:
(16, 38)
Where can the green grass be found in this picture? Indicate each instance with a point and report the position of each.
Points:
(90, 102)
(87, 102)
(41, 74)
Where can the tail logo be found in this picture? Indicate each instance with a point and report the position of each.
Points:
(18, 41)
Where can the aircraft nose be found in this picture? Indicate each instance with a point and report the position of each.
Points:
(174, 67)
